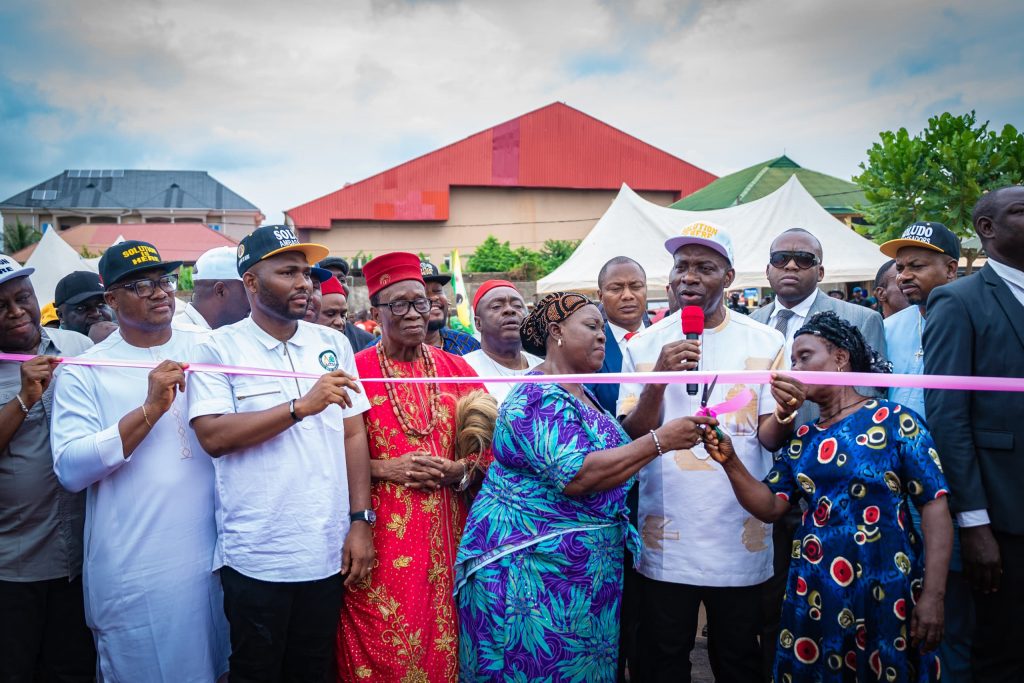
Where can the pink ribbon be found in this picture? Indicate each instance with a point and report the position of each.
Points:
(850, 379)
(730, 406)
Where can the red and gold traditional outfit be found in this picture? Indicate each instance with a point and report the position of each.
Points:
(400, 624)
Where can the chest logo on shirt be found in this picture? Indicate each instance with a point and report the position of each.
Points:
(329, 360)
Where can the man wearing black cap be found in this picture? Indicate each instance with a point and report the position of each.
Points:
(292, 468)
(43, 635)
(78, 298)
(121, 434)
(438, 332)
(337, 265)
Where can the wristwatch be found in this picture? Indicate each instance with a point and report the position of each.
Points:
(368, 516)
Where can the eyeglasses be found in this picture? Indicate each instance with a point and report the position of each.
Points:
(803, 259)
(401, 307)
(145, 288)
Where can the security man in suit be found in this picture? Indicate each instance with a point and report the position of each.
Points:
(976, 327)
(794, 270)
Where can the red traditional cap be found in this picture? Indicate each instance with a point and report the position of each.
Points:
(488, 286)
(391, 268)
(332, 286)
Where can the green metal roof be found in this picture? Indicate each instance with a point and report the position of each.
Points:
(835, 195)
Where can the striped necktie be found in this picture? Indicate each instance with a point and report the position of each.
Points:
(782, 320)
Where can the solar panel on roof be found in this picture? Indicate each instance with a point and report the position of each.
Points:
(44, 195)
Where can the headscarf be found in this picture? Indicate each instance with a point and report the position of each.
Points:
(842, 334)
(554, 308)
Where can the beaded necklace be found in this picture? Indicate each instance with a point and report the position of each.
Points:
(434, 390)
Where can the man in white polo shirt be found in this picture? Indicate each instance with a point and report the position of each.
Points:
(291, 464)
(700, 546)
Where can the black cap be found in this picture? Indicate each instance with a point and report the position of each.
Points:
(934, 236)
(271, 240)
(126, 258)
(77, 287)
(335, 262)
(432, 274)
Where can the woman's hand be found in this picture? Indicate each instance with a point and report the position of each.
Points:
(788, 392)
(683, 432)
(718, 444)
(405, 471)
(926, 624)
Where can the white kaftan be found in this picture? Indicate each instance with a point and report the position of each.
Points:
(151, 599)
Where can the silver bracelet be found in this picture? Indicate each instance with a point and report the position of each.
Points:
(24, 408)
(657, 443)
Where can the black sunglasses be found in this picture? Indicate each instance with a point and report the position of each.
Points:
(803, 259)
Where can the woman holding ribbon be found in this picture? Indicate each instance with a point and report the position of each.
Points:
(400, 623)
(539, 573)
(860, 603)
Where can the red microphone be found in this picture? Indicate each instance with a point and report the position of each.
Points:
(693, 326)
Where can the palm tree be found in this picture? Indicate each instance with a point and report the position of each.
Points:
(19, 236)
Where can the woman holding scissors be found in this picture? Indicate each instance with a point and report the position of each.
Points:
(860, 603)
(539, 573)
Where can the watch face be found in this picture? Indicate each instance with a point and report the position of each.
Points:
(371, 516)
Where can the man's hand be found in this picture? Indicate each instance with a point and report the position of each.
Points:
(330, 389)
(35, 378)
(788, 392)
(982, 562)
(165, 380)
(678, 355)
(926, 624)
(357, 554)
(444, 472)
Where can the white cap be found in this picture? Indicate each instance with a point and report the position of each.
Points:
(220, 263)
(705, 234)
(10, 269)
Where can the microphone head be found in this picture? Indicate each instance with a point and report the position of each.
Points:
(693, 320)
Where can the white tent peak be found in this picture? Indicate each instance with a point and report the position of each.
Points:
(637, 228)
(53, 258)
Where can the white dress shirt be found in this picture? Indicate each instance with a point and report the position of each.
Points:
(800, 312)
(190, 315)
(282, 505)
(154, 607)
(486, 366)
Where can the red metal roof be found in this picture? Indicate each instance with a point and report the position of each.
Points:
(175, 241)
(553, 147)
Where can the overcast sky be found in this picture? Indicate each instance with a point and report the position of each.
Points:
(284, 102)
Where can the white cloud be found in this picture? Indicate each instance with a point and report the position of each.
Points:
(285, 102)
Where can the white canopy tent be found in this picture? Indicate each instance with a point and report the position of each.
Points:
(53, 258)
(634, 227)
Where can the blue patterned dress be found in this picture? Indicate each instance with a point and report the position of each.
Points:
(539, 573)
(857, 564)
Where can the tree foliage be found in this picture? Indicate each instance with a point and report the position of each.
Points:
(19, 236)
(521, 263)
(937, 175)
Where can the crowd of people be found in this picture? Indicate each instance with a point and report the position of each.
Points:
(319, 502)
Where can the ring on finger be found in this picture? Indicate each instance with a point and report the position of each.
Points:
(792, 401)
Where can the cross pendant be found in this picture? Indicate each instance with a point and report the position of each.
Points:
(919, 354)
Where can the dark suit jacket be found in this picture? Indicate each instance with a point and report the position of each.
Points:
(976, 327)
(869, 323)
(358, 338)
(608, 394)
